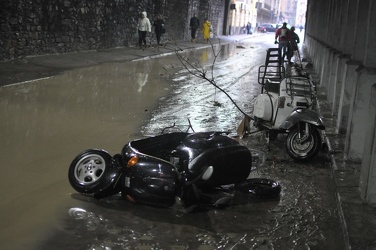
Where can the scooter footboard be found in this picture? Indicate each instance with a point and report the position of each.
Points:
(231, 164)
(151, 181)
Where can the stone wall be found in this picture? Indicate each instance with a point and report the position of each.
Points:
(37, 27)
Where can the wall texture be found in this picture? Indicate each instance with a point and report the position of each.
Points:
(36, 27)
(340, 38)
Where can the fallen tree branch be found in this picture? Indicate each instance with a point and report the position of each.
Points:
(197, 70)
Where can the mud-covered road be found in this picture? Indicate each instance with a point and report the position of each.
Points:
(46, 123)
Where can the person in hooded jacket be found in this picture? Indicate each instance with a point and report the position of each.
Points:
(143, 27)
(206, 27)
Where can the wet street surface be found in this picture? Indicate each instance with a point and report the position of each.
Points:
(46, 123)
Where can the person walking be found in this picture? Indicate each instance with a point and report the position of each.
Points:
(249, 28)
(159, 28)
(295, 40)
(194, 23)
(282, 38)
(206, 28)
(143, 27)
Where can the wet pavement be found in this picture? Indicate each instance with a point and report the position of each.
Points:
(84, 100)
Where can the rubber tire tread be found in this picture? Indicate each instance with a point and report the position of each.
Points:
(312, 153)
(260, 188)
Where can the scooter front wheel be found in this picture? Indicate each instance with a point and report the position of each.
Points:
(93, 172)
(303, 144)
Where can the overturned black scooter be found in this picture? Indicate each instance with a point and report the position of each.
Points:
(182, 168)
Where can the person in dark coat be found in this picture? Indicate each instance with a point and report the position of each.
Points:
(194, 24)
(249, 28)
(159, 28)
(295, 40)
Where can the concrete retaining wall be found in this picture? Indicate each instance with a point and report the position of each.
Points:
(340, 39)
(36, 27)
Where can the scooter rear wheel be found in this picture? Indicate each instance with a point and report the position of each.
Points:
(305, 150)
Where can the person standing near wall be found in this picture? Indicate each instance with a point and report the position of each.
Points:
(143, 27)
(249, 28)
(206, 27)
(194, 23)
(159, 28)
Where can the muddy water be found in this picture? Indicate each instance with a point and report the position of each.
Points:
(206, 106)
(46, 122)
(50, 121)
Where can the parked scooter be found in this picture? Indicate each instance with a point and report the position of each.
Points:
(288, 105)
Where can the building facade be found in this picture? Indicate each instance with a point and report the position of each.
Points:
(62, 26)
(240, 13)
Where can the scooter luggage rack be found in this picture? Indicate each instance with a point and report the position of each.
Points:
(273, 73)
(270, 76)
(301, 87)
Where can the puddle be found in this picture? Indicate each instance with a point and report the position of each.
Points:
(46, 123)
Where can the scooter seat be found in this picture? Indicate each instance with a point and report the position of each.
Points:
(268, 81)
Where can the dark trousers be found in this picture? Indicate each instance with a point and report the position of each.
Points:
(193, 33)
(158, 34)
(284, 46)
(141, 37)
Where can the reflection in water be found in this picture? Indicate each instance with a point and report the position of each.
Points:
(91, 220)
(141, 79)
(204, 56)
(125, 225)
(46, 123)
(293, 222)
(77, 213)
